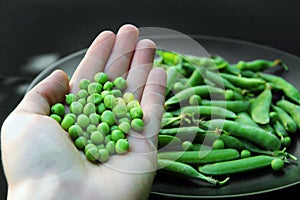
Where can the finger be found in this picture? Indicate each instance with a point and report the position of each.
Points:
(48, 92)
(141, 65)
(120, 59)
(152, 104)
(94, 60)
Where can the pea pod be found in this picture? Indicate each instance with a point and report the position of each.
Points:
(237, 166)
(258, 65)
(181, 130)
(200, 157)
(286, 120)
(207, 111)
(261, 107)
(187, 170)
(245, 118)
(292, 109)
(202, 90)
(257, 135)
(232, 105)
(164, 140)
(289, 89)
(243, 82)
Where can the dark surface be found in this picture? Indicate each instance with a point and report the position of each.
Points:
(34, 34)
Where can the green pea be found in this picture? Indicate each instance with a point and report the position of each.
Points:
(100, 108)
(97, 137)
(95, 98)
(116, 93)
(75, 131)
(245, 153)
(109, 101)
(108, 117)
(89, 108)
(286, 141)
(76, 108)
(133, 103)
(125, 127)
(91, 128)
(58, 109)
(108, 85)
(82, 93)
(84, 83)
(83, 120)
(89, 145)
(80, 142)
(107, 139)
(94, 88)
(70, 98)
(120, 111)
(111, 147)
(101, 77)
(120, 83)
(277, 164)
(136, 112)
(124, 119)
(114, 127)
(116, 135)
(92, 154)
(128, 96)
(82, 101)
(86, 135)
(137, 124)
(120, 101)
(100, 146)
(103, 155)
(122, 146)
(105, 92)
(56, 117)
(218, 144)
(94, 118)
(67, 122)
(103, 127)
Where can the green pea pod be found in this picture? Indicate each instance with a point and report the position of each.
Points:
(245, 118)
(292, 109)
(244, 82)
(231, 142)
(232, 105)
(289, 89)
(181, 130)
(187, 170)
(164, 140)
(202, 90)
(260, 108)
(195, 79)
(258, 65)
(257, 135)
(286, 120)
(237, 166)
(172, 76)
(200, 157)
(207, 111)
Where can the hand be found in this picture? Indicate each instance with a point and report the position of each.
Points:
(39, 158)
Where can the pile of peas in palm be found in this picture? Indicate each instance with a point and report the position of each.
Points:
(100, 117)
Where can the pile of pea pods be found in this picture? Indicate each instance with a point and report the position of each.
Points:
(225, 118)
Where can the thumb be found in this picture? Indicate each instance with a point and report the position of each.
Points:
(46, 93)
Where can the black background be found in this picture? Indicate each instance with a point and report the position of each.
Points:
(35, 33)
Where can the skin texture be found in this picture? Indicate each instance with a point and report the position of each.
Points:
(40, 160)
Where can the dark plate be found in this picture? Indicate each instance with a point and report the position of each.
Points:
(241, 185)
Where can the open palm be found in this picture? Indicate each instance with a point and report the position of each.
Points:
(39, 158)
